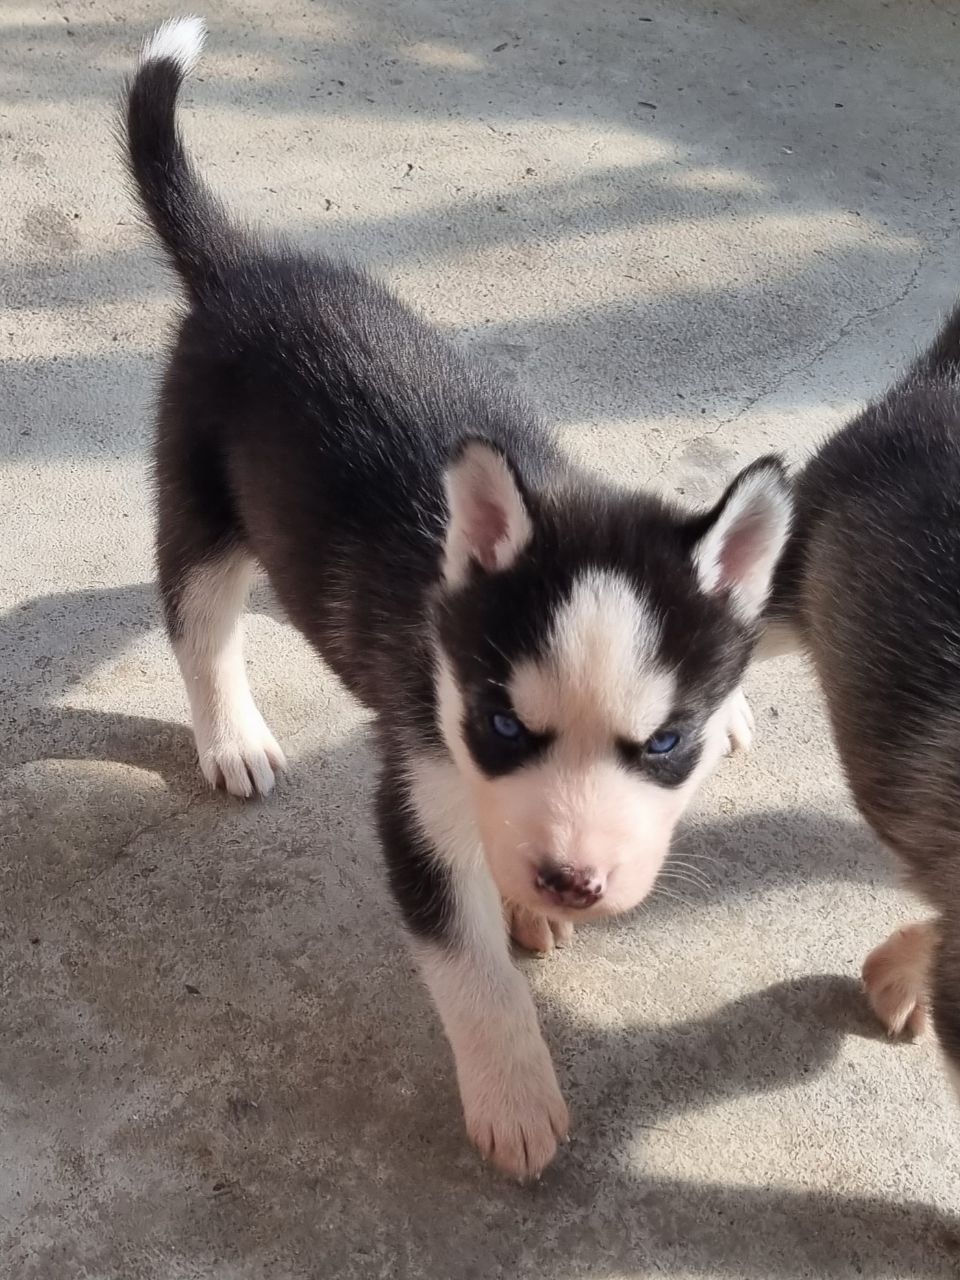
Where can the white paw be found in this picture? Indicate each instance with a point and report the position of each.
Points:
(741, 724)
(535, 932)
(895, 979)
(240, 755)
(514, 1110)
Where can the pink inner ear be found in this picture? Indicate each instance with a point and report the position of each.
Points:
(488, 528)
(741, 549)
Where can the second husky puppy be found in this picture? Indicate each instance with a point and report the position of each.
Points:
(870, 587)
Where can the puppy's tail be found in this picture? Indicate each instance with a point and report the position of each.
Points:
(187, 217)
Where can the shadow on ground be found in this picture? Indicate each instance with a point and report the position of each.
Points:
(224, 992)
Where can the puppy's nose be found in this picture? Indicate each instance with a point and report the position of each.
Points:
(570, 886)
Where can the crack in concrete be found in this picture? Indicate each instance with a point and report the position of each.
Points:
(87, 881)
(802, 366)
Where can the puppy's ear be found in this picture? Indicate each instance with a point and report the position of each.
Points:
(488, 523)
(738, 549)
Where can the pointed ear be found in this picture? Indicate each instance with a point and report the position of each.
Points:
(745, 534)
(488, 524)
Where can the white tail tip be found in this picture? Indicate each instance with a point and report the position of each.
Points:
(179, 40)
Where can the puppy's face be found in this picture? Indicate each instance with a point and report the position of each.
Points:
(588, 646)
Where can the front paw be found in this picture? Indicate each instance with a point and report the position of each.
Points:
(514, 1110)
(740, 725)
(239, 753)
(535, 932)
(895, 977)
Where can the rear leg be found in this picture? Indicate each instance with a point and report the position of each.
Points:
(205, 573)
(236, 749)
(205, 568)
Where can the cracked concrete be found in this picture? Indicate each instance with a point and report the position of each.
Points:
(788, 376)
(693, 233)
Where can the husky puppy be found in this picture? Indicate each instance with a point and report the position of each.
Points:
(552, 663)
(870, 588)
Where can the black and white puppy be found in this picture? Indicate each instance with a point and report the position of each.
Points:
(553, 663)
(870, 587)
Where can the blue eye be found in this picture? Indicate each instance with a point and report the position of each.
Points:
(506, 725)
(662, 743)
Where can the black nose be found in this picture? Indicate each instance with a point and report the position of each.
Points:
(570, 886)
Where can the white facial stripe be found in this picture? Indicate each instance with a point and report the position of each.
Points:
(600, 676)
(576, 805)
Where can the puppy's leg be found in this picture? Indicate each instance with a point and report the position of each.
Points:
(778, 638)
(205, 571)
(896, 977)
(512, 1104)
(514, 1111)
(234, 745)
(741, 724)
(204, 604)
(535, 932)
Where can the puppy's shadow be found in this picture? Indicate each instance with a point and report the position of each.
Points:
(596, 1210)
(715, 858)
(641, 1076)
(623, 1083)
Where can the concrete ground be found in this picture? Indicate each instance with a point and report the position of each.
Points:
(693, 232)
